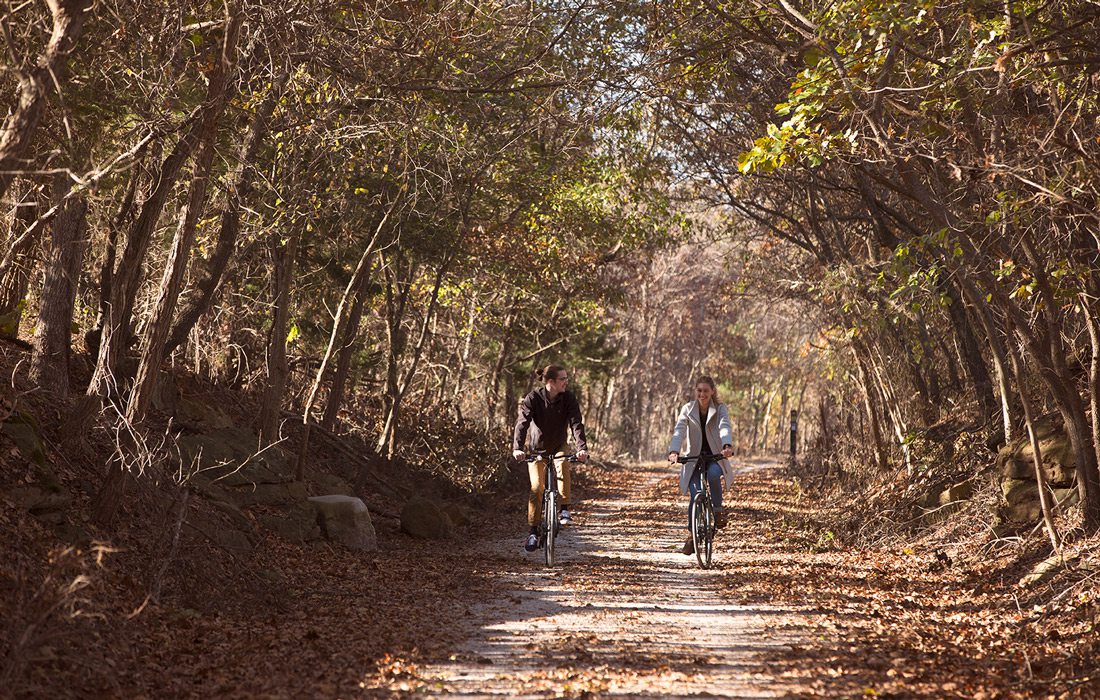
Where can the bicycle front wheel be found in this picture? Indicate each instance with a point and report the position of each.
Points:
(702, 529)
(550, 524)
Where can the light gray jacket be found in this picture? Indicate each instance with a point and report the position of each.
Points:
(688, 434)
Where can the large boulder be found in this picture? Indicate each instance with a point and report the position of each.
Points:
(940, 504)
(200, 416)
(232, 457)
(331, 484)
(298, 524)
(1022, 501)
(216, 531)
(22, 429)
(345, 519)
(422, 517)
(1059, 463)
(166, 394)
(1016, 463)
(39, 499)
(269, 494)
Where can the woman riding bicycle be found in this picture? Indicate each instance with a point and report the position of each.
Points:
(689, 433)
(547, 412)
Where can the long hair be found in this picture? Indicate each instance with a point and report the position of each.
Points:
(705, 379)
(549, 372)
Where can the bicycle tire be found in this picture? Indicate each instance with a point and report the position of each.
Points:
(702, 530)
(550, 524)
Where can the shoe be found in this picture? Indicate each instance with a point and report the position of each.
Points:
(532, 543)
(564, 517)
(689, 546)
(720, 519)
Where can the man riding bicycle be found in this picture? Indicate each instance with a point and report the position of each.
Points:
(547, 412)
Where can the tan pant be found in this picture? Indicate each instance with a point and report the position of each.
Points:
(537, 471)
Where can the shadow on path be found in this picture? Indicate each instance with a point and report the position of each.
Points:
(623, 614)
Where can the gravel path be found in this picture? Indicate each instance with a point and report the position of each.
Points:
(624, 614)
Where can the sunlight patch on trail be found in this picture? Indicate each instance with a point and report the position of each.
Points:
(624, 614)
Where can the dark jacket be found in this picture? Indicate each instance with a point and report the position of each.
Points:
(548, 421)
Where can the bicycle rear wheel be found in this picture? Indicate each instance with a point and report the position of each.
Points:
(702, 529)
(550, 524)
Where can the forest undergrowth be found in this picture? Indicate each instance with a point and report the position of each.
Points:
(902, 607)
(139, 609)
(980, 609)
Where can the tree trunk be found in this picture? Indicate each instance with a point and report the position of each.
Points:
(1090, 301)
(283, 256)
(122, 220)
(240, 189)
(878, 442)
(53, 335)
(35, 84)
(396, 292)
(999, 353)
(387, 443)
(892, 408)
(1037, 457)
(459, 372)
(344, 357)
(156, 332)
(116, 333)
(504, 357)
(344, 328)
(15, 272)
(971, 356)
(1066, 395)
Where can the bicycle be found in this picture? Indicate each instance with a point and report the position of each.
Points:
(702, 509)
(551, 504)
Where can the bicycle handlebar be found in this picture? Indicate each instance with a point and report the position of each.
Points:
(695, 458)
(569, 458)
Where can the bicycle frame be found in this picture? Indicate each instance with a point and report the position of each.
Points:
(701, 509)
(551, 502)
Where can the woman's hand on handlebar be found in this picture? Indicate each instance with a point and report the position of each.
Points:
(673, 457)
(727, 451)
(582, 455)
(519, 455)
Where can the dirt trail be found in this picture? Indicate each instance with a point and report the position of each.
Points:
(623, 614)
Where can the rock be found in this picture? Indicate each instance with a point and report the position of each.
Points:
(1016, 468)
(1048, 569)
(957, 492)
(22, 429)
(1022, 498)
(938, 506)
(235, 514)
(331, 484)
(1019, 490)
(345, 519)
(1016, 461)
(39, 500)
(421, 517)
(269, 494)
(166, 394)
(299, 524)
(1059, 474)
(1025, 512)
(227, 538)
(231, 457)
(1066, 497)
(201, 416)
(456, 514)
